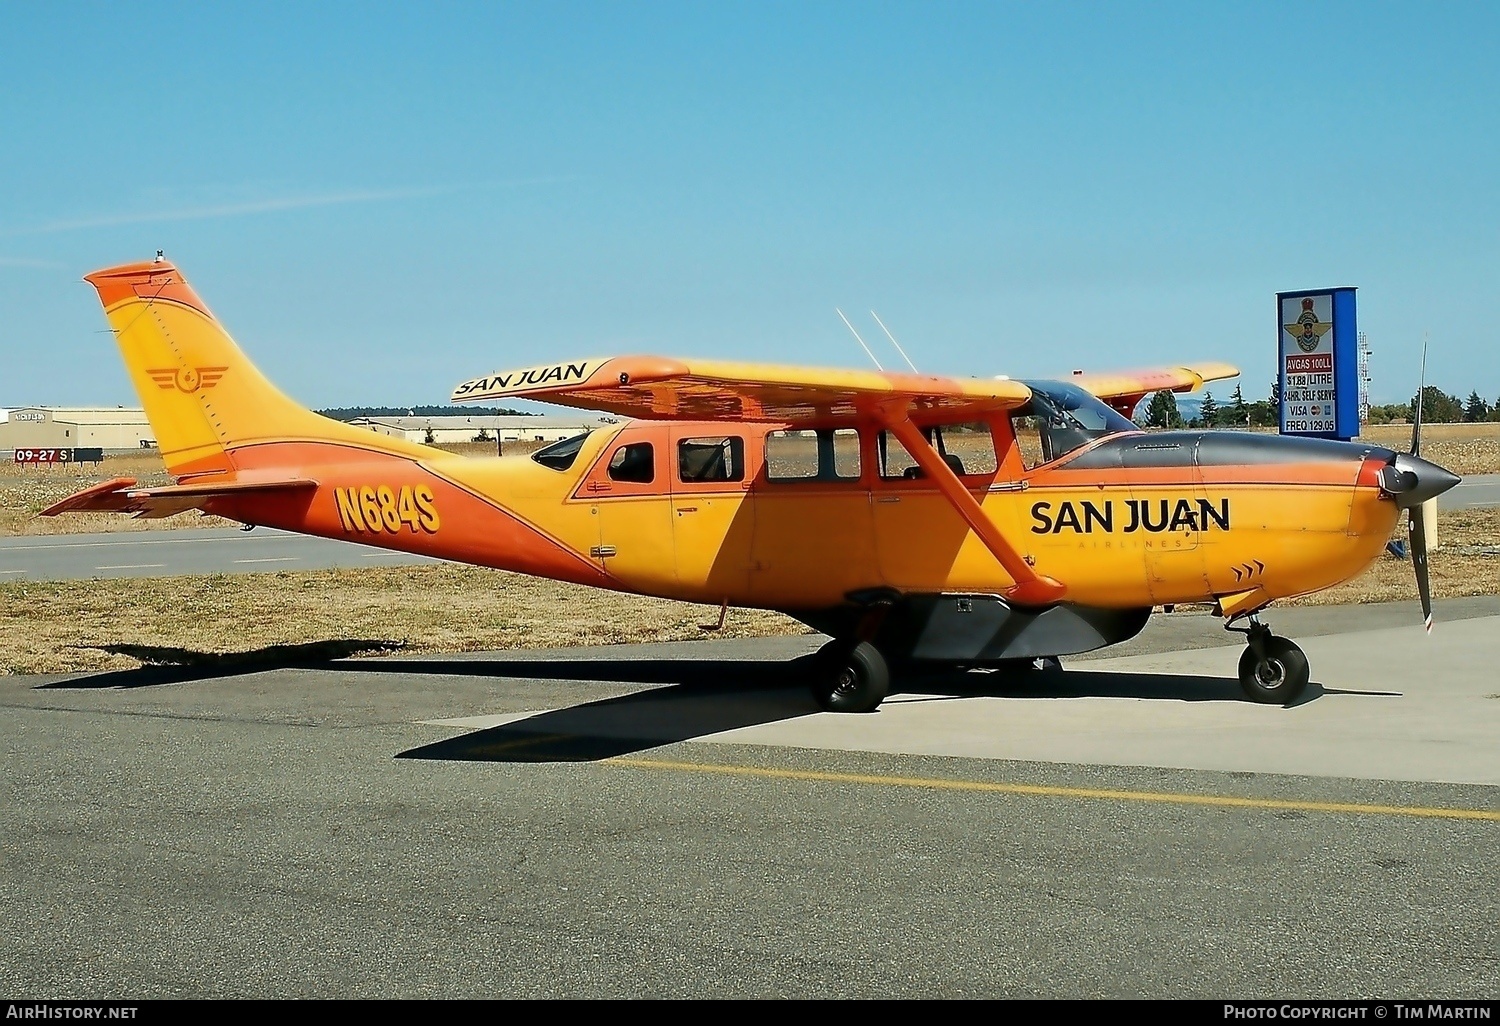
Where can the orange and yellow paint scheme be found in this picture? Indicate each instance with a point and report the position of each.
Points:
(1054, 556)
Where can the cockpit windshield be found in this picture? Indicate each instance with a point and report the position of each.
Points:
(1060, 418)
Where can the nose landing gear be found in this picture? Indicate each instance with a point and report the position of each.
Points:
(1273, 670)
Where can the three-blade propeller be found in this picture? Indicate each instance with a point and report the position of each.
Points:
(1416, 522)
(1411, 481)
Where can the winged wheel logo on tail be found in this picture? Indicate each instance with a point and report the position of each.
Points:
(186, 379)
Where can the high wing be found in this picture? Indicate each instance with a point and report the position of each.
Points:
(658, 388)
(1124, 390)
(122, 496)
(661, 388)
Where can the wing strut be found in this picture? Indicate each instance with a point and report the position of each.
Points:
(1031, 588)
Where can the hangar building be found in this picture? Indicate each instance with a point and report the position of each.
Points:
(111, 428)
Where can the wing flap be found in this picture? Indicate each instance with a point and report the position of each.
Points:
(660, 388)
(122, 496)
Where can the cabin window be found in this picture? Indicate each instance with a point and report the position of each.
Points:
(896, 464)
(968, 449)
(635, 462)
(823, 455)
(711, 459)
(560, 455)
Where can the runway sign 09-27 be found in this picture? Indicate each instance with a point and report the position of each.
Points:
(1318, 366)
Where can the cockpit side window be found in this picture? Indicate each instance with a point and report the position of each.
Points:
(560, 455)
(1061, 418)
(635, 463)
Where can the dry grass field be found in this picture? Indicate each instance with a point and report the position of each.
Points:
(27, 490)
(54, 627)
(1462, 448)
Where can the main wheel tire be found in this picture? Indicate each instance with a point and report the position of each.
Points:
(851, 678)
(1278, 677)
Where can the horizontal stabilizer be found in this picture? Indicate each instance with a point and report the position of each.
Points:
(122, 496)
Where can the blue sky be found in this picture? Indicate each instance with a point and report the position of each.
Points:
(381, 201)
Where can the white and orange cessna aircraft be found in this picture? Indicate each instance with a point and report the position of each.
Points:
(913, 518)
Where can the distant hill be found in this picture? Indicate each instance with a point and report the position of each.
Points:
(1189, 408)
(348, 413)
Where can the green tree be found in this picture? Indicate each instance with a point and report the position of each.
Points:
(1239, 413)
(1209, 411)
(1389, 413)
(1263, 414)
(1162, 412)
(1476, 409)
(1438, 408)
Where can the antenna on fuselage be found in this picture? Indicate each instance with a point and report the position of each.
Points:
(894, 342)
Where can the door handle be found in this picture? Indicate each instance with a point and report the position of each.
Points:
(686, 509)
(888, 498)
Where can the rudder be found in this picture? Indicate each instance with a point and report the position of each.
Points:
(202, 395)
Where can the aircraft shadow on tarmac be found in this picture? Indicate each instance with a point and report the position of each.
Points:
(697, 699)
(167, 665)
(683, 699)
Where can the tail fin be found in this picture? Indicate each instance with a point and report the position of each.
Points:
(203, 397)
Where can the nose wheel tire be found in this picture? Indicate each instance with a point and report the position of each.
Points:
(850, 678)
(1276, 674)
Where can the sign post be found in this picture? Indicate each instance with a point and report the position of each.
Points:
(1317, 367)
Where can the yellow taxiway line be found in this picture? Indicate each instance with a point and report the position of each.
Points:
(1049, 791)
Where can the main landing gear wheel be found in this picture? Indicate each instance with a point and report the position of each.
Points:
(1273, 669)
(850, 677)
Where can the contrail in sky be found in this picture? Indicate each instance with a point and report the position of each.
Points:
(265, 206)
(6, 261)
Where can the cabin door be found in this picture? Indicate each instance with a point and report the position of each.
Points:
(630, 497)
(713, 520)
(814, 536)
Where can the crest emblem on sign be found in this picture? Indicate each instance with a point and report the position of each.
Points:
(1307, 329)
